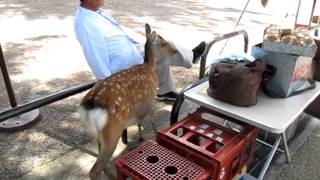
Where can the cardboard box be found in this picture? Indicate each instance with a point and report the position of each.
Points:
(292, 71)
(290, 49)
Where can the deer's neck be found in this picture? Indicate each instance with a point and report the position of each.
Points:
(149, 57)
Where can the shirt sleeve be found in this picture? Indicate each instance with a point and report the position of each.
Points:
(96, 52)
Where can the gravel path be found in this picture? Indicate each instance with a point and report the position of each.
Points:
(43, 57)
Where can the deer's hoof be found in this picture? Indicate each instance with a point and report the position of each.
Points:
(141, 139)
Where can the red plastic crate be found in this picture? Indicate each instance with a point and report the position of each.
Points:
(153, 161)
(224, 151)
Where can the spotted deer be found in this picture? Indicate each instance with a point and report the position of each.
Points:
(120, 100)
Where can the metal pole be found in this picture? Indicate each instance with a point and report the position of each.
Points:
(269, 145)
(284, 138)
(180, 99)
(7, 81)
(270, 156)
(21, 117)
(299, 11)
(44, 101)
(217, 39)
(237, 23)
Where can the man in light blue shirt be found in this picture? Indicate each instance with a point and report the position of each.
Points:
(108, 49)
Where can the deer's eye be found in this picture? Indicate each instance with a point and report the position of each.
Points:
(164, 44)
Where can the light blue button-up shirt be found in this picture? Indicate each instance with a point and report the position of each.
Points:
(107, 48)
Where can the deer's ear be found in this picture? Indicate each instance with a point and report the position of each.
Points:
(264, 3)
(154, 36)
(148, 28)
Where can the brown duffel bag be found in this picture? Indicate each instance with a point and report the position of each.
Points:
(236, 82)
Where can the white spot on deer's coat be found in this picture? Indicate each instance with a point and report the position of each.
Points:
(119, 117)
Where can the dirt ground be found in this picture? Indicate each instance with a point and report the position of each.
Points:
(43, 57)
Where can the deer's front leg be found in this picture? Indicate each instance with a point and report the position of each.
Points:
(140, 131)
(153, 122)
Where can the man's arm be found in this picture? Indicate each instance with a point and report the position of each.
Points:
(96, 53)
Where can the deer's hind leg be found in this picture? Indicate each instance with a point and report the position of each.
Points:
(108, 140)
(151, 118)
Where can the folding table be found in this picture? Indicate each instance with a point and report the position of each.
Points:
(273, 115)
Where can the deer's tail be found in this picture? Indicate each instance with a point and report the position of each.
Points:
(93, 117)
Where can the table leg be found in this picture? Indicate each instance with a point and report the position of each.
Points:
(266, 134)
(269, 145)
(284, 138)
(270, 157)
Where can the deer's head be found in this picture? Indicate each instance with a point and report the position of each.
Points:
(162, 47)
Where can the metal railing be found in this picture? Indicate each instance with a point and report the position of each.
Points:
(203, 61)
(20, 109)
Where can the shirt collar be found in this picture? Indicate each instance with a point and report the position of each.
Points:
(100, 12)
(86, 11)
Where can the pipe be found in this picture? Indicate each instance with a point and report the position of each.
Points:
(6, 78)
(45, 101)
(217, 39)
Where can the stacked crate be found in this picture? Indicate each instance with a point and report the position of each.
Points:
(207, 150)
(225, 151)
(153, 161)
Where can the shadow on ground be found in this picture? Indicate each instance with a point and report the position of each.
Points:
(59, 132)
(198, 14)
(35, 9)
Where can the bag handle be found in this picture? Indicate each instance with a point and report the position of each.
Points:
(268, 74)
(235, 71)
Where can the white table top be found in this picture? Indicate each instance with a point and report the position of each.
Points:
(272, 114)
